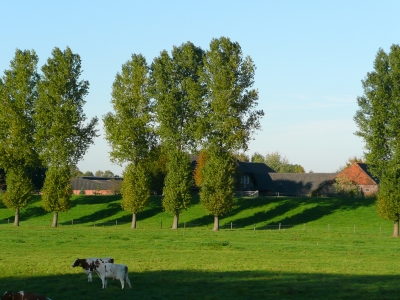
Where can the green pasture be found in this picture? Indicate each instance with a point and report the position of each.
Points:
(325, 248)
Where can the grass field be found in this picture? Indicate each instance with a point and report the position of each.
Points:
(326, 249)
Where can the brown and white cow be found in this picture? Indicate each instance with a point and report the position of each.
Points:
(88, 263)
(23, 295)
(109, 270)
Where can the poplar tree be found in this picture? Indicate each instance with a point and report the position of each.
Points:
(129, 132)
(230, 118)
(62, 136)
(378, 120)
(178, 94)
(18, 155)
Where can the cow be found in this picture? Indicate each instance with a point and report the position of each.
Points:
(110, 270)
(23, 295)
(87, 264)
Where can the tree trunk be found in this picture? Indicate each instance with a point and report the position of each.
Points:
(16, 218)
(216, 223)
(55, 219)
(133, 221)
(176, 222)
(396, 228)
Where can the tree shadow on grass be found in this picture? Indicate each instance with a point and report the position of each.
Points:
(112, 209)
(187, 284)
(280, 206)
(100, 199)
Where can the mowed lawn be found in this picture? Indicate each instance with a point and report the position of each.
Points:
(324, 248)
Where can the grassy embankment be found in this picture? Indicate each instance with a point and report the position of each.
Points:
(315, 255)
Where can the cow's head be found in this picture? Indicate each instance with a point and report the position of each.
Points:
(7, 295)
(77, 262)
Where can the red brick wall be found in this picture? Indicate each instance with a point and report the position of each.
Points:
(93, 192)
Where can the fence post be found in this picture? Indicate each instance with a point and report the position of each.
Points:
(231, 225)
(254, 226)
(184, 225)
(279, 226)
(94, 223)
(116, 222)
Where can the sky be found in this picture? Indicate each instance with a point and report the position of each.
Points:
(311, 57)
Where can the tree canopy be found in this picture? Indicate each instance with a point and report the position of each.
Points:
(18, 153)
(378, 121)
(62, 136)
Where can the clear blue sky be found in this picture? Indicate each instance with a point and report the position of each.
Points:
(310, 55)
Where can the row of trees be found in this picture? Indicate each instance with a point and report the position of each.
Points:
(277, 162)
(42, 127)
(184, 101)
(75, 172)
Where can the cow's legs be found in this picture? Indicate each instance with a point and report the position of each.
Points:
(105, 282)
(127, 280)
(90, 277)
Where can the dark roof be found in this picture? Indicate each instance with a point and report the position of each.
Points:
(259, 173)
(300, 183)
(252, 167)
(93, 183)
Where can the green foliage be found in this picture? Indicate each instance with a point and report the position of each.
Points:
(18, 94)
(61, 135)
(75, 172)
(57, 189)
(229, 109)
(157, 168)
(280, 164)
(178, 94)
(82, 192)
(388, 198)
(178, 182)
(218, 187)
(128, 129)
(19, 188)
(135, 188)
(344, 187)
(18, 155)
(378, 116)
(378, 120)
(258, 158)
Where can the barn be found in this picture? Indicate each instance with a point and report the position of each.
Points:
(92, 185)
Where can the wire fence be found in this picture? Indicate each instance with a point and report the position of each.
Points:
(327, 228)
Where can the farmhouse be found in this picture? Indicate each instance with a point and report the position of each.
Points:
(358, 174)
(258, 176)
(92, 185)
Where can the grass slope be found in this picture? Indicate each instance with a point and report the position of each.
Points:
(304, 260)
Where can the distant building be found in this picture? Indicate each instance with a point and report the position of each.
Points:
(92, 185)
(358, 174)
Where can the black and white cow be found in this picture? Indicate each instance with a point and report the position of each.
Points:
(88, 263)
(23, 295)
(110, 270)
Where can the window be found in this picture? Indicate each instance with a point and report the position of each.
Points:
(366, 190)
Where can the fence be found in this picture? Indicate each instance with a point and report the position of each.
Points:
(386, 229)
(241, 194)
